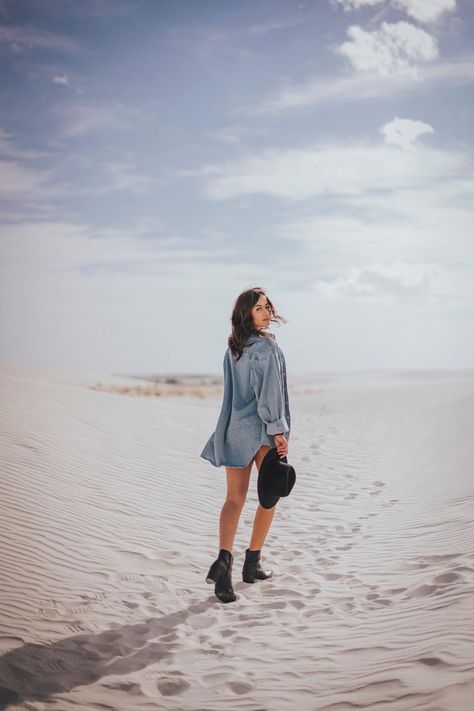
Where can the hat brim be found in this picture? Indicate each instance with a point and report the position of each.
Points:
(267, 500)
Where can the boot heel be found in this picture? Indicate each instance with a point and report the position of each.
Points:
(252, 569)
(220, 573)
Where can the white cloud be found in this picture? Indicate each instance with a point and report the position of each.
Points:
(99, 9)
(80, 119)
(425, 10)
(124, 176)
(211, 43)
(25, 39)
(10, 149)
(393, 48)
(359, 86)
(404, 245)
(272, 25)
(352, 169)
(349, 5)
(20, 176)
(61, 79)
(376, 219)
(18, 181)
(421, 10)
(404, 132)
(395, 279)
(227, 135)
(54, 246)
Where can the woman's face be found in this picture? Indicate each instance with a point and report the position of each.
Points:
(261, 313)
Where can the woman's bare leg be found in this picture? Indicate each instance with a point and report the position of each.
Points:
(263, 517)
(237, 487)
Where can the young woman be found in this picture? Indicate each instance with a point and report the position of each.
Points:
(254, 417)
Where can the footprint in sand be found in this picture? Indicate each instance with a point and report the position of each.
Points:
(441, 558)
(228, 632)
(131, 605)
(213, 652)
(297, 604)
(431, 661)
(240, 687)
(446, 578)
(186, 594)
(277, 605)
(169, 686)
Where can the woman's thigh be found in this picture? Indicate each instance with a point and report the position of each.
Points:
(260, 455)
(238, 482)
(238, 478)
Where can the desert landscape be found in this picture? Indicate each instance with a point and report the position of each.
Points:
(109, 522)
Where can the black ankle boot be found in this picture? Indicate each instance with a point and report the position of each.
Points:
(252, 569)
(220, 573)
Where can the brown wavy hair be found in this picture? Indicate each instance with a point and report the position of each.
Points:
(242, 321)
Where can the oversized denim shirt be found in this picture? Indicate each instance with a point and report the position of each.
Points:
(255, 404)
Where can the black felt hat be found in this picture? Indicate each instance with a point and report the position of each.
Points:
(276, 478)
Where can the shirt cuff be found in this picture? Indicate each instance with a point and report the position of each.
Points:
(277, 427)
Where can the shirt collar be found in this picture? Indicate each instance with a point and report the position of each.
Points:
(254, 337)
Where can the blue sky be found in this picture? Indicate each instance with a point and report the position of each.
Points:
(158, 157)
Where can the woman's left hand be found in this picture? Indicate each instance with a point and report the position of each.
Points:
(281, 443)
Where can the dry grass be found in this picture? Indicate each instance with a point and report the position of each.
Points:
(200, 391)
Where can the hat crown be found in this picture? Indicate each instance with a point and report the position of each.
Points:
(276, 478)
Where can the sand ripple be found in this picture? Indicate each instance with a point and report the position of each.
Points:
(109, 519)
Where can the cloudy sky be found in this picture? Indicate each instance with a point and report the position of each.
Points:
(157, 157)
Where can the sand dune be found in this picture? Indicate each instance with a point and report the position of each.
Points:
(109, 519)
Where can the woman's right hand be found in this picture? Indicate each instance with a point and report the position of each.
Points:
(281, 444)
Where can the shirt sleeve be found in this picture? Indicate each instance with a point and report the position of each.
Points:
(266, 381)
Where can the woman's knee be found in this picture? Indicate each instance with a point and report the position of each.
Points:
(237, 485)
(236, 499)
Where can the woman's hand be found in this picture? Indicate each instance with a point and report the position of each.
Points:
(281, 444)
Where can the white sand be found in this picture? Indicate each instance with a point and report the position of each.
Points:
(109, 521)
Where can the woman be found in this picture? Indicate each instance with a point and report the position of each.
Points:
(254, 417)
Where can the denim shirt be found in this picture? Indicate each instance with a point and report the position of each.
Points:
(255, 404)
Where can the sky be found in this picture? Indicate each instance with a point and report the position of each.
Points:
(158, 157)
